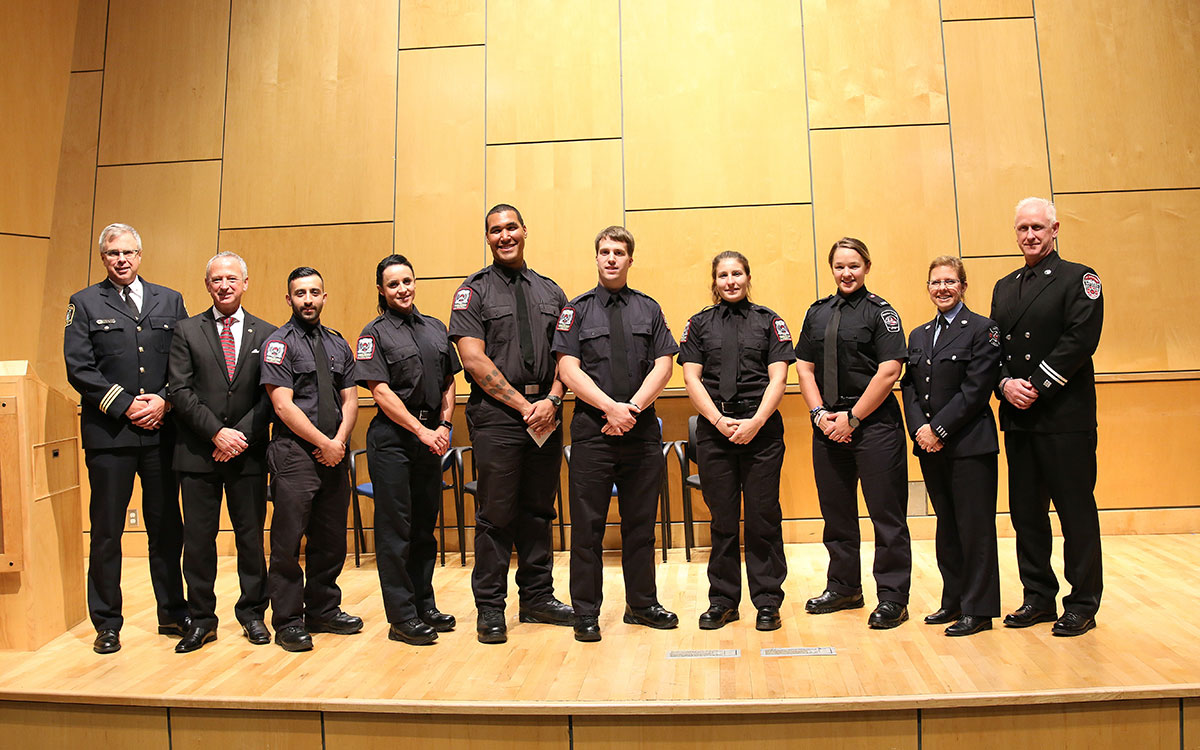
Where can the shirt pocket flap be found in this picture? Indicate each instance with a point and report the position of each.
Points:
(496, 311)
(593, 333)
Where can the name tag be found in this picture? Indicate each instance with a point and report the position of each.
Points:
(106, 321)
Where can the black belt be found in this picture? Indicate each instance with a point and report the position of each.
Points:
(733, 408)
(424, 415)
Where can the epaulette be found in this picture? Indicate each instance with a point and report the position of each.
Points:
(589, 293)
(878, 300)
(335, 333)
(823, 300)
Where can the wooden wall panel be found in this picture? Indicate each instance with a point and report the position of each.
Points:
(36, 64)
(847, 731)
(1143, 329)
(55, 725)
(893, 189)
(174, 209)
(24, 260)
(382, 732)
(982, 275)
(311, 116)
(440, 160)
(998, 132)
(1191, 724)
(874, 62)
(553, 70)
(89, 35)
(1121, 93)
(242, 729)
(566, 192)
(956, 10)
(1114, 725)
(440, 23)
(164, 81)
(699, 82)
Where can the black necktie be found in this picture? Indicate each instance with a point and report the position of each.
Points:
(525, 331)
(622, 389)
(127, 297)
(729, 355)
(431, 366)
(942, 325)
(1026, 281)
(830, 380)
(327, 421)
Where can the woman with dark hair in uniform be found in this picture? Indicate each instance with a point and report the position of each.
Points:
(405, 359)
(735, 357)
(953, 366)
(848, 358)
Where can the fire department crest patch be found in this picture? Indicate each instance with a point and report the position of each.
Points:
(1091, 285)
(273, 355)
(366, 348)
(566, 319)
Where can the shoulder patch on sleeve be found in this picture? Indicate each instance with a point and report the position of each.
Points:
(781, 330)
(686, 327)
(566, 319)
(891, 320)
(462, 298)
(994, 336)
(1091, 285)
(365, 349)
(70, 314)
(273, 354)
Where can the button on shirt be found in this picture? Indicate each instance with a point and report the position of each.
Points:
(763, 338)
(288, 362)
(393, 348)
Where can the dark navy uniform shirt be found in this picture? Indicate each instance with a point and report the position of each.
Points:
(763, 338)
(402, 351)
(288, 362)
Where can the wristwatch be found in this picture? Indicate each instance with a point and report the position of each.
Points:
(853, 420)
(447, 424)
(556, 400)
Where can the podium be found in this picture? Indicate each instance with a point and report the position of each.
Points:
(41, 525)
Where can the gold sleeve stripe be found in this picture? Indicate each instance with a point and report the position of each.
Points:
(109, 397)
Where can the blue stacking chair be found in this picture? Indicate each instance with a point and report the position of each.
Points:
(685, 451)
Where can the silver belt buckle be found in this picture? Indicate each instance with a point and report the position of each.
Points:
(533, 390)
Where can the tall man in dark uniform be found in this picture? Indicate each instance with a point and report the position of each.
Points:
(615, 352)
(116, 343)
(308, 370)
(1050, 313)
(224, 414)
(502, 320)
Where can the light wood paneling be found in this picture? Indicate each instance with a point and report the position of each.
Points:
(893, 189)
(164, 81)
(566, 192)
(870, 730)
(36, 60)
(39, 726)
(1143, 329)
(439, 160)
(89, 35)
(553, 70)
(956, 10)
(699, 82)
(438, 23)
(174, 209)
(1191, 724)
(24, 260)
(982, 275)
(998, 132)
(1096, 726)
(234, 729)
(1121, 93)
(874, 62)
(380, 732)
(310, 124)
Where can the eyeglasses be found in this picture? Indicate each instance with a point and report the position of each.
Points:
(114, 254)
(948, 283)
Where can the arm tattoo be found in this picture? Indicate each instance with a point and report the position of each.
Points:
(499, 388)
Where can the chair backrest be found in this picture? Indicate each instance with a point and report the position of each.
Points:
(690, 448)
(448, 456)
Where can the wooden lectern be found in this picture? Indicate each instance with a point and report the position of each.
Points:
(41, 531)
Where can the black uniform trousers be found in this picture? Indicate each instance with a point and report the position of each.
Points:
(517, 484)
(875, 457)
(311, 500)
(731, 475)
(963, 492)
(634, 463)
(407, 478)
(1059, 467)
(246, 498)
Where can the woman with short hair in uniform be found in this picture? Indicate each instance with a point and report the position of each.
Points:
(953, 366)
(405, 359)
(735, 357)
(849, 356)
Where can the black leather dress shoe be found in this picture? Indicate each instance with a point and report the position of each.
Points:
(1073, 623)
(768, 618)
(414, 632)
(653, 616)
(887, 615)
(341, 623)
(256, 632)
(490, 626)
(549, 612)
(107, 642)
(587, 629)
(439, 621)
(717, 616)
(293, 638)
(176, 628)
(831, 602)
(942, 616)
(195, 638)
(1027, 615)
(969, 625)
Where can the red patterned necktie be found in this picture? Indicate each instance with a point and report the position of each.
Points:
(227, 344)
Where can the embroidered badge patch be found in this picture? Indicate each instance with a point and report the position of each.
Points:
(686, 327)
(994, 336)
(1091, 285)
(70, 313)
(566, 319)
(462, 299)
(274, 353)
(781, 330)
(366, 348)
(891, 321)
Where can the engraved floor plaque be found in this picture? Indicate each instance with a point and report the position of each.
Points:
(706, 653)
(800, 651)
